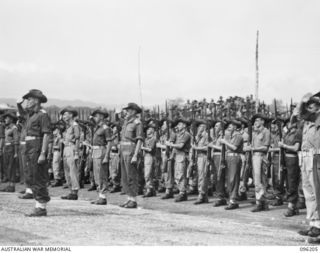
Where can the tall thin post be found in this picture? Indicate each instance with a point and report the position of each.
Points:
(139, 75)
(257, 72)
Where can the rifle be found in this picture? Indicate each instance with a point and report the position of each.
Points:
(282, 161)
(223, 163)
(192, 165)
(248, 156)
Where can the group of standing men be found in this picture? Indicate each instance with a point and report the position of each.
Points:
(221, 156)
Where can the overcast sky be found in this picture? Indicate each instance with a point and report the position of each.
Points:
(76, 49)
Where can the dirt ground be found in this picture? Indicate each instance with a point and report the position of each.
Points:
(155, 222)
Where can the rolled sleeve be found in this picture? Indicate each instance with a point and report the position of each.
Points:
(139, 132)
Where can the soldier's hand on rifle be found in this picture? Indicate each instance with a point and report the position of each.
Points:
(105, 160)
(76, 156)
(15, 155)
(42, 158)
(134, 159)
(168, 143)
(247, 148)
(281, 144)
(223, 141)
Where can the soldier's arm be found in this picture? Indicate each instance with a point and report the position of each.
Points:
(15, 141)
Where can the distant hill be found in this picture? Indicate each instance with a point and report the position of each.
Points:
(60, 103)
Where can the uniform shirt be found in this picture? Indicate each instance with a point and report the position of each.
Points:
(274, 141)
(11, 134)
(132, 130)
(150, 142)
(202, 140)
(185, 138)
(23, 132)
(57, 141)
(308, 136)
(38, 123)
(115, 142)
(235, 139)
(216, 142)
(71, 134)
(261, 138)
(311, 135)
(102, 135)
(291, 138)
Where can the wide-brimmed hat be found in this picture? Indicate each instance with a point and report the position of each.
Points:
(103, 112)
(133, 106)
(200, 122)
(12, 115)
(235, 122)
(183, 120)
(72, 110)
(259, 116)
(36, 94)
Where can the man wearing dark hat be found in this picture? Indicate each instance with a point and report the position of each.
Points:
(101, 146)
(37, 139)
(201, 148)
(71, 141)
(130, 146)
(114, 167)
(309, 109)
(234, 148)
(11, 146)
(149, 148)
(259, 148)
(182, 146)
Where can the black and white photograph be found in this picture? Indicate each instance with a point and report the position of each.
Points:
(159, 123)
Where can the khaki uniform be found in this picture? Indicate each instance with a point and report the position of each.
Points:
(181, 155)
(132, 131)
(71, 168)
(260, 138)
(101, 136)
(149, 161)
(114, 168)
(202, 168)
(11, 143)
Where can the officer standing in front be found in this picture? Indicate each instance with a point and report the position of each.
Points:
(130, 146)
(38, 130)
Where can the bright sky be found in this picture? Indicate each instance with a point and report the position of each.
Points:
(88, 49)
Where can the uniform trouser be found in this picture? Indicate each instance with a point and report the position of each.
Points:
(71, 169)
(293, 170)
(129, 171)
(202, 174)
(149, 170)
(316, 177)
(180, 172)
(221, 181)
(308, 187)
(140, 167)
(114, 169)
(37, 174)
(22, 162)
(10, 163)
(233, 175)
(163, 168)
(170, 174)
(56, 162)
(100, 171)
(277, 184)
(244, 174)
(260, 175)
